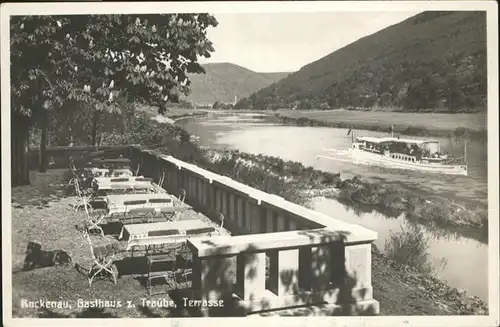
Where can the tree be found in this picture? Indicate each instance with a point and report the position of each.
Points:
(92, 59)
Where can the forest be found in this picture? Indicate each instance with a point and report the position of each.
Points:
(432, 62)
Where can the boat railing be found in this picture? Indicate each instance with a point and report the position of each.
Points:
(404, 157)
(370, 149)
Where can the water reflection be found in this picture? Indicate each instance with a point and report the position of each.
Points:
(303, 144)
(461, 253)
(433, 229)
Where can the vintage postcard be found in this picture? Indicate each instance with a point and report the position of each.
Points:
(334, 162)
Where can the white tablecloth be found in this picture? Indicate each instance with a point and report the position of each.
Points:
(101, 172)
(125, 185)
(141, 230)
(158, 208)
(107, 180)
(115, 200)
(138, 233)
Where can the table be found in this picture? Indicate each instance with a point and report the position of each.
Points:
(108, 180)
(162, 232)
(116, 200)
(161, 203)
(134, 185)
(165, 208)
(144, 215)
(102, 172)
(122, 172)
(98, 171)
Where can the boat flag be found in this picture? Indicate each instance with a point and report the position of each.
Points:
(349, 131)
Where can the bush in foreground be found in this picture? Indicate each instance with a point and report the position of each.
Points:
(409, 247)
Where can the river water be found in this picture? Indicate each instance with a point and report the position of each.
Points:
(322, 148)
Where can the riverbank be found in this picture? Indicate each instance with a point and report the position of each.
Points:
(41, 212)
(472, 125)
(401, 289)
(290, 179)
(295, 182)
(172, 115)
(401, 293)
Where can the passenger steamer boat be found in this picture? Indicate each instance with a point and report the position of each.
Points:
(413, 154)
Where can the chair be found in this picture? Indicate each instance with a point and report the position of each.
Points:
(160, 200)
(169, 273)
(182, 195)
(72, 168)
(171, 213)
(143, 215)
(160, 182)
(122, 172)
(121, 189)
(83, 197)
(184, 263)
(133, 203)
(169, 232)
(201, 231)
(100, 173)
(143, 179)
(221, 226)
(93, 224)
(186, 274)
(118, 180)
(103, 257)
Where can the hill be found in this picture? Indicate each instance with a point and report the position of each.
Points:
(223, 81)
(431, 61)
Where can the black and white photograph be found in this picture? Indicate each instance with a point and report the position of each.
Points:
(315, 160)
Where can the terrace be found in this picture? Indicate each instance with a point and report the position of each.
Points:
(272, 255)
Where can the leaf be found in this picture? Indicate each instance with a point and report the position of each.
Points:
(38, 43)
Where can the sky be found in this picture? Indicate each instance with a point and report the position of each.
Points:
(285, 42)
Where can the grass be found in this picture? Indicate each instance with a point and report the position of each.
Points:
(401, 291)
(424, 124)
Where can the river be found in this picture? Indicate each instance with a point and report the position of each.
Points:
(466, 259)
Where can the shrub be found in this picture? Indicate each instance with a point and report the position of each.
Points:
(409, 247)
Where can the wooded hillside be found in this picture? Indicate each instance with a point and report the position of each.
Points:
(434, 61)
(223, 81)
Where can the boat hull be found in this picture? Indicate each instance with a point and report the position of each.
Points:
(387, 161)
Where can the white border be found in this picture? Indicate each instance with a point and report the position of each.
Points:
(258, 7)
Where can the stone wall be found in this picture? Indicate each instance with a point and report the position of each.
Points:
(313, 260)
(280, 255)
